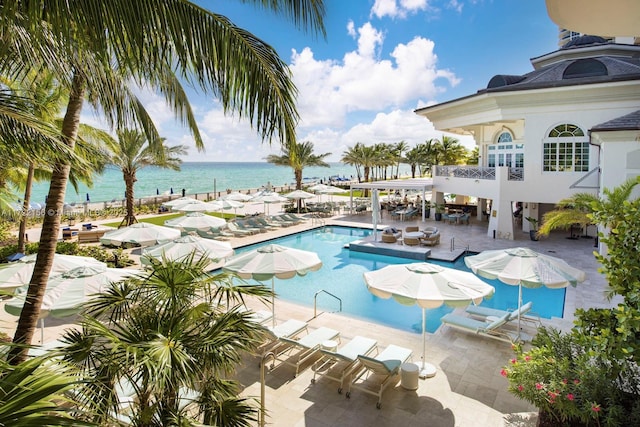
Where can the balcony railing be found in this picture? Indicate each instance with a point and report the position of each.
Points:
(476, 172)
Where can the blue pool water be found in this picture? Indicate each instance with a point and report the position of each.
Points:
(341, 275)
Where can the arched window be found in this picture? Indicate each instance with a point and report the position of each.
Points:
(566, 149)
(505, 152)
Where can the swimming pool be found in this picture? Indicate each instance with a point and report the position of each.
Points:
(341, 275)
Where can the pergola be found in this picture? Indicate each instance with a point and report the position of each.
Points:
(422, 185)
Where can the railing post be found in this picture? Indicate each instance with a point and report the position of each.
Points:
(453, 244)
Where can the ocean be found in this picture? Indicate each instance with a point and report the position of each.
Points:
(194, 177)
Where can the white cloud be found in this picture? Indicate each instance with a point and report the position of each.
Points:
(397, 9)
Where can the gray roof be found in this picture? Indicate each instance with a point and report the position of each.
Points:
(628, 122)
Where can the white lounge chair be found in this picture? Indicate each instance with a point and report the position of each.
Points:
(487, 329)
(385, 365)
(296, 351)
(525, 315)
(336, 364)
(289, 329)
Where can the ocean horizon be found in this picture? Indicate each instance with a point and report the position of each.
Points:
(193, 177)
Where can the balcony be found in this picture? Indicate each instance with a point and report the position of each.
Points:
(476, 172)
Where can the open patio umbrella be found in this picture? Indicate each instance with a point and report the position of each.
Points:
(193, 221)
(197, 206)
(428, 286)
(179, 201)
(67, 293)
(268, 197)
(524, 267)
(299, 195)
(237, 196)
(229, 204)
(272, 261)
(141, 233)
(19, 273)
(185, 246)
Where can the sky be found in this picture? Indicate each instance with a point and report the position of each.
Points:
(380, 60)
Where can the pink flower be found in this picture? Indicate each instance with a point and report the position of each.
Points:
(570, 396)
(514, 361)
(564, 381)
(576, 382)
(539, 386)
(520, 388)
(596, 408)
(553, 395)
(527, 358)
(503, 372)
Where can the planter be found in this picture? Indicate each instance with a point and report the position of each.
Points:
(533, 235)
(438, 216)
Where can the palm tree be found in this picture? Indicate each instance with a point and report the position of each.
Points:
(298, 157)
(398, 150)
(95, 49)
(131, 152)
(450, 150)
(361, 156)
(172, 331)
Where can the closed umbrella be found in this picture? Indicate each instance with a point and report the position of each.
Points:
(375, 213)
(428, 286)
(524, 267)
(193, 221)
(184, 246)
(142, 233)
(19, 273)
(272, 261)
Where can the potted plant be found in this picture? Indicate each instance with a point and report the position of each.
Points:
(533, 232)
(439, 210)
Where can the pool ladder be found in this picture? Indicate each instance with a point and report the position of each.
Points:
(315, 301)
(316, 219)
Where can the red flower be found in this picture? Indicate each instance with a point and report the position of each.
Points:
(520, 388)
(570, 396)
(596, 408)
(527, 358)
(553, 395)
(539, 386)
(503, 372)
(576, 382)
(514, 361)
(564, 381)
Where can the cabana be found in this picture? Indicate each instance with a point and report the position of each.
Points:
(422, 185)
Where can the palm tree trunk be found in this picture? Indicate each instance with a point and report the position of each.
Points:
(130, 218)
(50, 228)
(25, 210)
(298, 175)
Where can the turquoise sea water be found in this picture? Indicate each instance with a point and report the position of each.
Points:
(342, 275)
(194, 177)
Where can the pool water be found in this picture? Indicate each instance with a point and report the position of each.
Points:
(341, 275)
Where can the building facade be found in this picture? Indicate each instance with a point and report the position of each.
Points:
(571, 125)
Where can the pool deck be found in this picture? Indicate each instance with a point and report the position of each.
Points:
(467, 389)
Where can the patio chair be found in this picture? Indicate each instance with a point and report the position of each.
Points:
(384, 366)
(388, 238)
(253, 222)
(486, 329)
(431, 240)
(411, 241)
(336, 364)
(525, 315)
(296, 351)
(411, 228)
(236, 230)
(244, 225)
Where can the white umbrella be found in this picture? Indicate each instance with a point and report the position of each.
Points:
(237, 196)
(272, 261)
(268, 197)
(179, 201)
(19, 273)
(197, 206)
(229, 204)
(141, 233)
(299, 195)
(428, 286)
(524, 267)
(185, 246)
(193, 221)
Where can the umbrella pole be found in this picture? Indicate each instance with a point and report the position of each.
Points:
(427, 370)
(519, 306)
(273, 304)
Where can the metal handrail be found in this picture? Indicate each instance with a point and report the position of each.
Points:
(315, 301)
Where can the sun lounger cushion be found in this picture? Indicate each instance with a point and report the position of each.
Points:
(287, 329)
(391, 358)
(351, 350)
(314, 338)
(487, 311)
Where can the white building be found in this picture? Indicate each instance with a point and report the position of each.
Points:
(570, 125)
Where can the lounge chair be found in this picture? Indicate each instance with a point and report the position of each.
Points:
(484, 312)
(269, 224)
(296, 351)
(252, 223)
(336, 364)
(242, 225)
(486, 329)
(236, 230)
(293, 218)
(389, 238)
(257, 316)
(385, 365)
(411, 241)
(289, 329)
